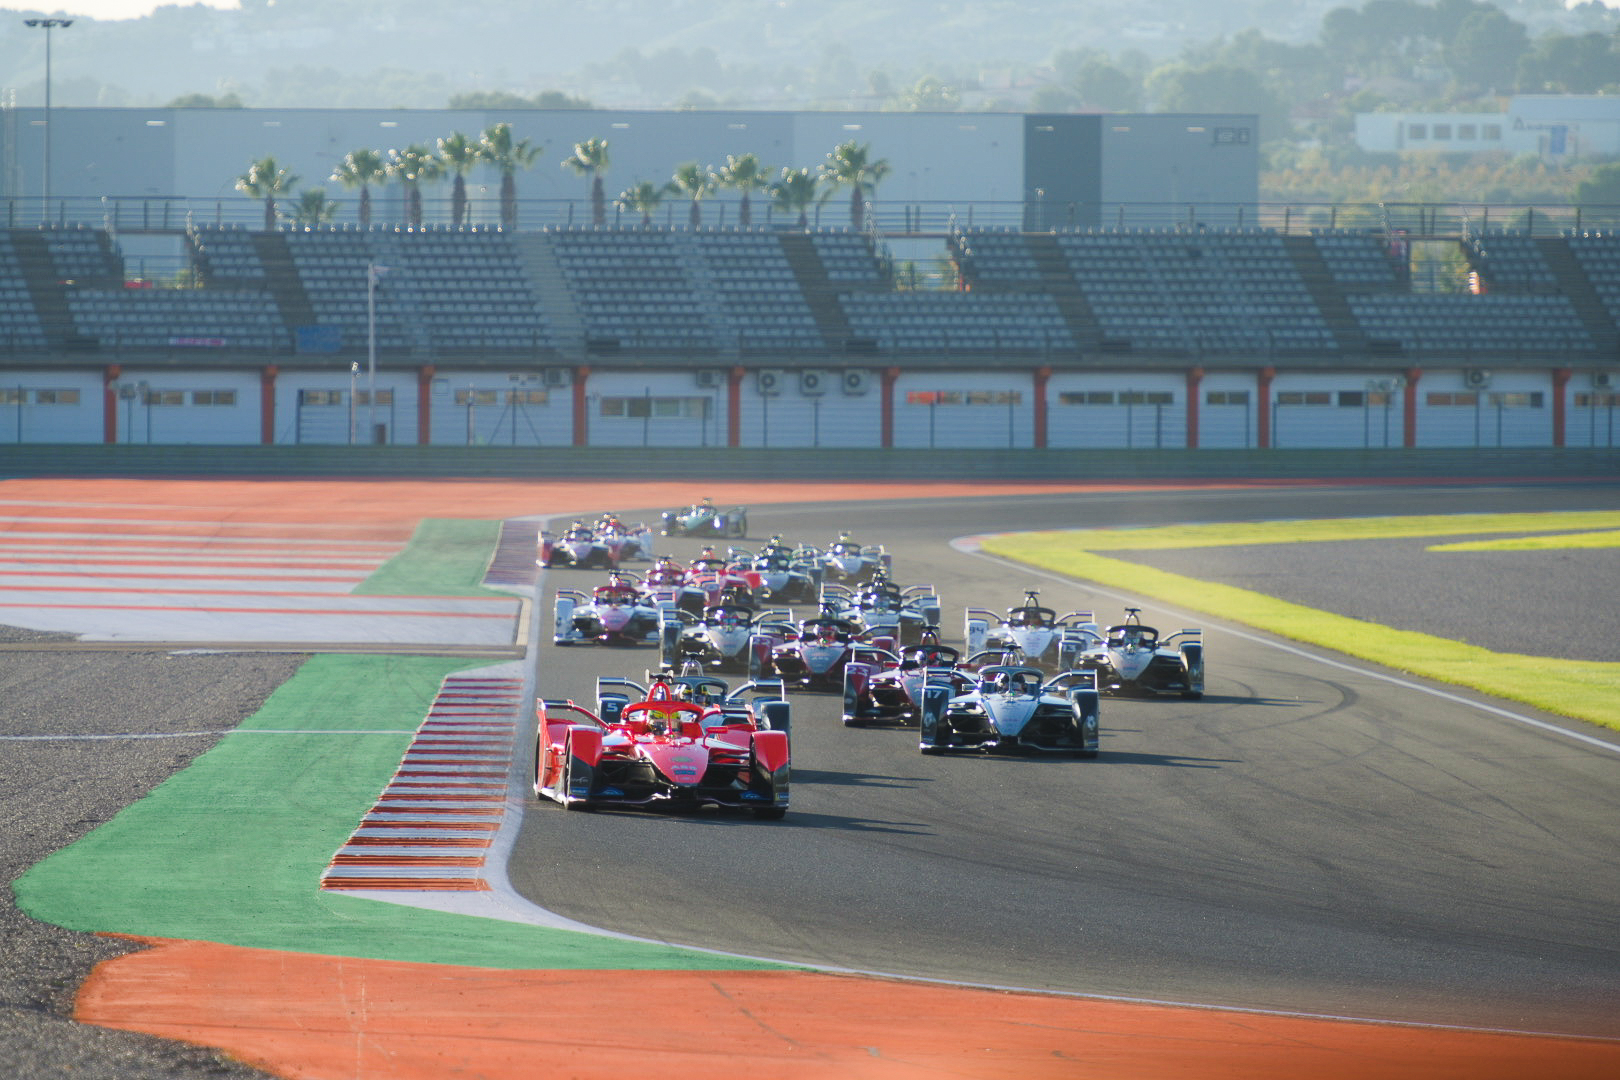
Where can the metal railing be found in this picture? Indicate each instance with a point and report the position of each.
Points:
(174, 214)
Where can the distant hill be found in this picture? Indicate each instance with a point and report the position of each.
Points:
(785, 53)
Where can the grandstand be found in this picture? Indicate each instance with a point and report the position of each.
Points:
(1182, 336)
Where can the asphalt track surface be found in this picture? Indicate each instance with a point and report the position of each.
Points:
(1308, 837)
(1303, 839)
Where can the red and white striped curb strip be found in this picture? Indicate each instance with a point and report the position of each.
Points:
(432, 826)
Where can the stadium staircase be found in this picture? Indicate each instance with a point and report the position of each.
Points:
(46, 289)
(1574, 283)
(701, 276)
(820, 293)
(281, 280)
(539, 258)
(1327, 293)
(1057, 278)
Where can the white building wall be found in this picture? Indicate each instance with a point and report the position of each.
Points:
(1228, 425)
(677, 412)
(35, 409)
(482, 408)
(1593, 399)
(299, 419)
(835, 417)
(1125, 422)
(1005, 422)
(1328, 424)
(1497, 415)
(1549, 125)
(143, 414)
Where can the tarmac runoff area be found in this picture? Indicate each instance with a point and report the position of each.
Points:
(329, 1011)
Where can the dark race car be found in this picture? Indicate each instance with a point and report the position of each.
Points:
(706, 519)
(626, 542)
(672, 585)
(1013, 707)
(662, 751)
(814, 656)
(887, 688)
(778, 573)
(880, 607)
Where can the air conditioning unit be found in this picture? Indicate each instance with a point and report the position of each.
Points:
(1603, 380)
(1476, 378)
(768, 381)
(855, 381)
(557, 376)
(711, 378)
(813, 382)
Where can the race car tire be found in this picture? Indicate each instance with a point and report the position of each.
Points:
(770, 813)
(565, 782)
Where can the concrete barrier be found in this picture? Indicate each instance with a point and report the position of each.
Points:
(798, 464)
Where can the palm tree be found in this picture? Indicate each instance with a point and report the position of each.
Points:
(693, 181)
(849, 166)
(643, 198)
(266, 180)
(793, 193)
(744, 173)
(314, 208)
(497, 149)
(590, 159)
(361, 169)
(413, 166)
(457, 155)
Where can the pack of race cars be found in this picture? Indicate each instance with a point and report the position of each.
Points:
(1028, 680)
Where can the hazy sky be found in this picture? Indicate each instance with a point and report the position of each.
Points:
(105, 9)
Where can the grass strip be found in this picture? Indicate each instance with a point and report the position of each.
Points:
(446, 557)
(1561, 542)
(231, 849)
(1584, 690)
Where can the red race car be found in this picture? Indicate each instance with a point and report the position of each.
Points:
(670, 750)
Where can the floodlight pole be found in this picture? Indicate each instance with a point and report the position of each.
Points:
(371, 352)
(48, 25)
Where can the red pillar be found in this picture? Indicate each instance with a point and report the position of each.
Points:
(109, 403)
(424, 405)
(1043, 375)
(734, 381)
(1195, 379)
(1409, 424)
(1560, 390)
(1262, 417)
(582, 412)
(890, 377)
(267, 405)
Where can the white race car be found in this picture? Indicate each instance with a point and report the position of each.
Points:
(621, 612)
(846, 560)
(1132, 658)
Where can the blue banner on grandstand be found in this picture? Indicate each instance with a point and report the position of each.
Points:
(320, 339)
